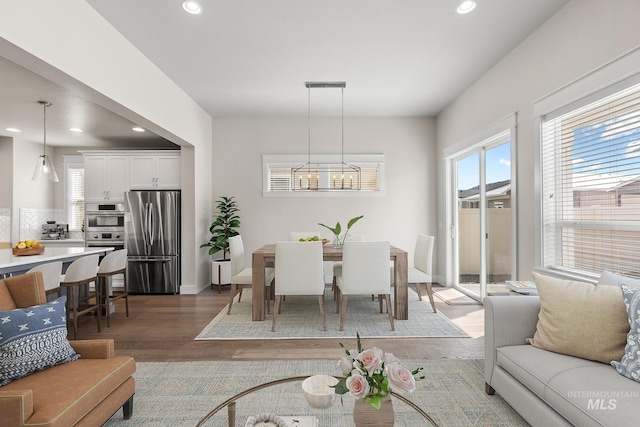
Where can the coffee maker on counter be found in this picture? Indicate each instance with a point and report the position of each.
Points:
(53, 231)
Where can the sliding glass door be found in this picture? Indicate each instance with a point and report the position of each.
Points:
(481, 226)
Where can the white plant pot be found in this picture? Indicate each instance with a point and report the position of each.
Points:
(220, 272)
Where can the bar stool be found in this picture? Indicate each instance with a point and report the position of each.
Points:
(51, 273)
(79, 275)
(112, 264)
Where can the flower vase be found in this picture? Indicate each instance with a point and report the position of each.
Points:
(337, 243)
(365, 415)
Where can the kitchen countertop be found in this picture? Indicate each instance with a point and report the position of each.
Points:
(46, 242)
(10, 263)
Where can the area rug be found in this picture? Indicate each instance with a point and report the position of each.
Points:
(182, 393)
(454, 297)
(300, 319)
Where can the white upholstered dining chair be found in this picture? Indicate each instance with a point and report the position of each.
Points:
(299, 272)
(242, 276)
(365, 271)
(422, 265)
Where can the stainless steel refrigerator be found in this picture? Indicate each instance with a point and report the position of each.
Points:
(152, 240)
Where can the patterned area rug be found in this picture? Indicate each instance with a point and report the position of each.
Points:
(300, 318)
(182, 393)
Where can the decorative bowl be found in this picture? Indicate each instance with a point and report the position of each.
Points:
(316, 389)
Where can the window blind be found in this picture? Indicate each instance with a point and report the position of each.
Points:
(591, 185)
(76, 198)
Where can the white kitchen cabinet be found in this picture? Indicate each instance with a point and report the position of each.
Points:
(155, 171)
(106, 177)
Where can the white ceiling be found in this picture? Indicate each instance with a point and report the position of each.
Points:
(252, 58)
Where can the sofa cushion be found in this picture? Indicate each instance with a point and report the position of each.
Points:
(612, 279)
(67, 393)
(33, 339)
(629, 365)
(580, 319)
(585, 392)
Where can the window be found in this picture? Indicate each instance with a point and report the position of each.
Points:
(277, 176)
(74, 192)
(590, 168)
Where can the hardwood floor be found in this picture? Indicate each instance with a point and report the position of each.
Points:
(163, 327)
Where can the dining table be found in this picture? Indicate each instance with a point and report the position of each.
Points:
(266, 255)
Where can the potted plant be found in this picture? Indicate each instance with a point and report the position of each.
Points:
(339, 240)
(222, 228)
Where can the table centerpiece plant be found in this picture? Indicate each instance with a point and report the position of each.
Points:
(339, 240)
(371, 375)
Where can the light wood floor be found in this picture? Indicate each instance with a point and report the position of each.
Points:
(163, 327)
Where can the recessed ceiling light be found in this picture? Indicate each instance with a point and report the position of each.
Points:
(138, 129)
(193, 7)
(466, 6)
(13, 130)
(76, 130)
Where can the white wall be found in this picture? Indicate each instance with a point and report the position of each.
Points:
(6, 172)
(581, 37)
(28, 193)
(46, 37)
(407, 208)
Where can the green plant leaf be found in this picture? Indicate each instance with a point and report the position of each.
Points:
(353, 221)
(341, 386)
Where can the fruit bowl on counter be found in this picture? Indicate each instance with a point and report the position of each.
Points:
(27, 247)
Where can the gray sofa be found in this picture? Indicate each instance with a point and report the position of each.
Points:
(546, 388)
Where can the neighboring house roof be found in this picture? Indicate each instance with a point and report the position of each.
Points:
(602, 182)
(491, 194)
(464, 194)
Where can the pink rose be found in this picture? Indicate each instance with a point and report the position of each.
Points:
(358, 386)
(345, 364)
(371, 359)
(390, 358)
(400, 379)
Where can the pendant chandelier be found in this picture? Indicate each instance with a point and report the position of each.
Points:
(328, 176)
(44, 165)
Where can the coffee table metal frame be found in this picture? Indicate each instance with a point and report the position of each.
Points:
(230, 403)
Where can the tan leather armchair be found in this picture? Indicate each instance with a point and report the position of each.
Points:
(85, 392)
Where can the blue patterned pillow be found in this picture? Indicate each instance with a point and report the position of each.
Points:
(33, 339)
(629, 365)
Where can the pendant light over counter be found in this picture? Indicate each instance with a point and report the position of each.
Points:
(319, 176)
(44, 165)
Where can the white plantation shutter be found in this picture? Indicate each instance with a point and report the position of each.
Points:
(590, 158)
(76, 197)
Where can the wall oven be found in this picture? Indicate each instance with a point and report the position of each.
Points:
(104, 225)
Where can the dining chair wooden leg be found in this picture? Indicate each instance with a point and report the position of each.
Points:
(337, 295)
(380, 302)
(240, 294)
(322, 312)
(419, 292)
(232, 294)
(343, 310)
(388, 299)
(430, 294)
(276, 307)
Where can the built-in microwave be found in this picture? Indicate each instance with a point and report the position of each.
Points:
(104, 217)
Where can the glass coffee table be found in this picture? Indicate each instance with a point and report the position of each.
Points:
(284, 398)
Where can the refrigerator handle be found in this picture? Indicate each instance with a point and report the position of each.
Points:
(145, 225)
(152, 229)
